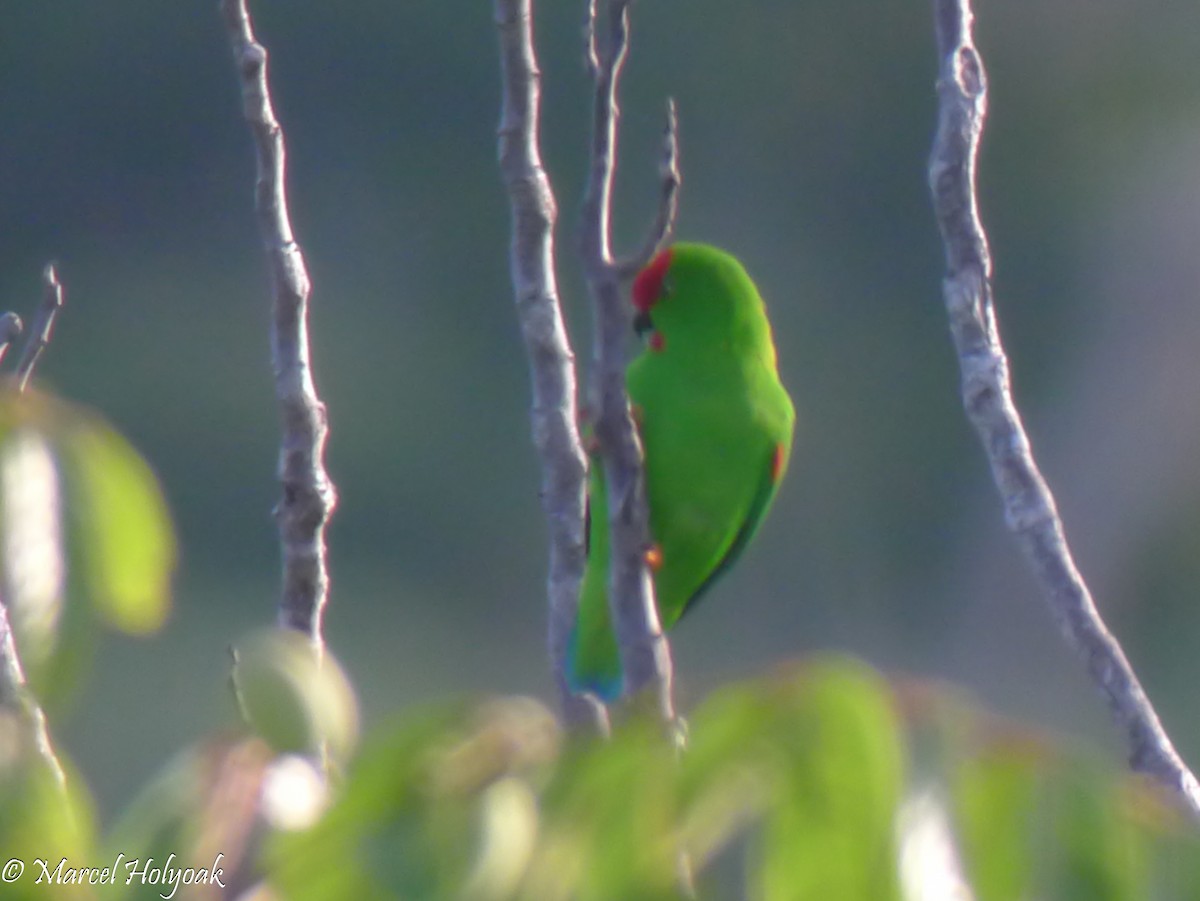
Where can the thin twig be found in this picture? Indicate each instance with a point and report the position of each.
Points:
(591, 52)
(551, 360)
(308, 495)
(645, 654)
(43, 324)
(1028, 503)
(10, 330)
(668, 200)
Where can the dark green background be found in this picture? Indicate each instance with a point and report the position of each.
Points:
(805, 129)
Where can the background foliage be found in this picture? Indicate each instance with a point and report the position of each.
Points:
(804, 132)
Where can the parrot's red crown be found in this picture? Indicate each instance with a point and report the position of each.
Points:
(647, 287)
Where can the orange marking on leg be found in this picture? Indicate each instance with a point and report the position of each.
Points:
(654, 557)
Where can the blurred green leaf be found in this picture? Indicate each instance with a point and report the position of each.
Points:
(729, 772)
(40, 819)
(126, 541)
(792, 787)
(1101, 852)
(831, 831)
(296, 697)
(85, 531)
(995, 799)
(1175, 865)
(378, 804)
(413, 818)
(202, 811)
(610, 815)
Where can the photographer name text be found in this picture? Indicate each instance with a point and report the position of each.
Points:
(124, 871)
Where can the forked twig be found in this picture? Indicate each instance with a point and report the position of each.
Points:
(43, 324)
(645, 654)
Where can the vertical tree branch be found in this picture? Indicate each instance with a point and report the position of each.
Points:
(308, 495)
(551, 360)
(1029, 506)
(645, 654)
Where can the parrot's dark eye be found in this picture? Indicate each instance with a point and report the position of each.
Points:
(642, 323)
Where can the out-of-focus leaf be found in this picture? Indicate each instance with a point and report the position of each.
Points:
(729, 729)
(791, 788)
(995, 799)
(609, 821)
(729, 772)
(84, 535)
(201, 812)
(831, 830)
(31, 556)
(930, 869)
(380, 804)
(294, 696)
(1174, 867)
(1101, 853)
(126, 542)
(40, 819)
(414, 816)
(508, 835)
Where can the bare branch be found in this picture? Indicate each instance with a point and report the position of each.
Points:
(308, 495)
(551, 360)
(10, 330)
(645, 654)
(668, 200)
(43, 323)
(591, 53)
(1029, 506)
(609, 54)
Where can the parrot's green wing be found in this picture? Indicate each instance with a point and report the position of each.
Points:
(768, 486)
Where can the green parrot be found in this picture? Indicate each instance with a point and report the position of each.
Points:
(716, 427)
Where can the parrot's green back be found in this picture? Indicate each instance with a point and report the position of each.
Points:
(716, 426)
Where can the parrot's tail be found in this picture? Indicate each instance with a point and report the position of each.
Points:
(593, 664)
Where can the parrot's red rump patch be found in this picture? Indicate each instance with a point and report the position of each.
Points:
(657, 341)
(647, 287)
(777, 462)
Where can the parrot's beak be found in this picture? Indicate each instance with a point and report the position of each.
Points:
(642, 323)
